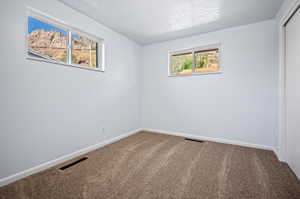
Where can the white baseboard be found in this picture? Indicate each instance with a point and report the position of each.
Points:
(46, 165)
(276, 151)
(279, 154)
(224, 141)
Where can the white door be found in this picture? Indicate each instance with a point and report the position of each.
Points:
(293, 92)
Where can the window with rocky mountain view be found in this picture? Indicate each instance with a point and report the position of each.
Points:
(84, 51)
(46, 41)
(54, 43)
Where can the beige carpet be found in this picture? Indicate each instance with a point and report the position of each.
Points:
(155, 166)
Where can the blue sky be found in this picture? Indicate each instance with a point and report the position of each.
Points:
(35, 24)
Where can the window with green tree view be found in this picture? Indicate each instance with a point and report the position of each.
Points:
(195, 61)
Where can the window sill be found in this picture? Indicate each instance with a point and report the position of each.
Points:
(195, 74)
(65, 64)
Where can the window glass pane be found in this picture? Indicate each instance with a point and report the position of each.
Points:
(181, 64)
(46, 41)
(84, 51)
(207, 61)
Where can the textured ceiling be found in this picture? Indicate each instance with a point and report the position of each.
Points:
(148, 21)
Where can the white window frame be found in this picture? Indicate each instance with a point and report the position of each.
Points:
(193, 50)
(51, 20)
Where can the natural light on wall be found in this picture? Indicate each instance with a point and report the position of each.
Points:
(186, 14)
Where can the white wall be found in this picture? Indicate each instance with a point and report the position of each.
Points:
(50, 110)
(240, 104)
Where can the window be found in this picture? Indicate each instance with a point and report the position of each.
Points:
(84, 51)
(195, 61)
(56, 43)
(182, 63)
(46, 41)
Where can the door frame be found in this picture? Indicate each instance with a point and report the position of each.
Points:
(282, 138)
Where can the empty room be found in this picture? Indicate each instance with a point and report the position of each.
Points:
(157, 99)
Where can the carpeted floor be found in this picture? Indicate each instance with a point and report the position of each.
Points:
(155, 166)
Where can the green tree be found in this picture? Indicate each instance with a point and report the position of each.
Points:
(188, 63)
